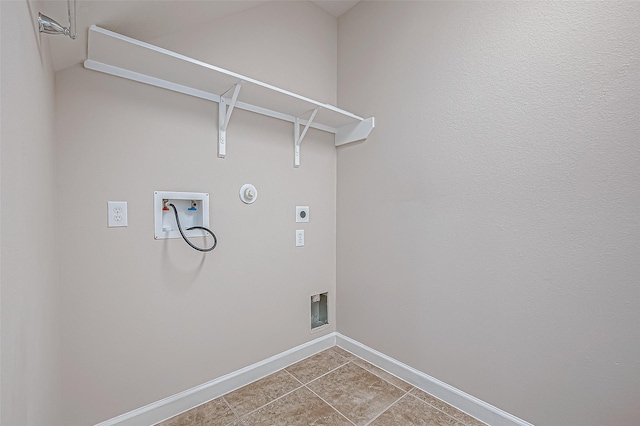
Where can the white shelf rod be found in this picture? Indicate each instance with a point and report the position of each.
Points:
(240, 77)
(357, 130)
(164, 84)
(297, 137)
(224, 115)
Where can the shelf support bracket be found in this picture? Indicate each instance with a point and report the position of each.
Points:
(354, 132)
(224, 115)
(298, 137)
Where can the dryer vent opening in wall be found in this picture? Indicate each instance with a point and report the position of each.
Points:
(319, 315)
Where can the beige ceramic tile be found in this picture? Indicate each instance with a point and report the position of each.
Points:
(255, 395)
(213, 413)
(356, 393)
(300, 407)
(383, 374)
(315, 366)
(208, 423)
(344, 353)
(410, 411)
(452, 411)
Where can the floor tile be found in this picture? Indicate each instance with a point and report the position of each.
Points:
(348, 391)
(356, 393)
(300, 407)
(383, 374)
(315, 366)
(441, 405)
(410, 411)
(213, 413)
(344, 353)
(255, 395)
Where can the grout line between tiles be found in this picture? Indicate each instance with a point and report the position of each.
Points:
(241, 418)
(324, 374)
(271, 402)
(436, 408)
(294, 377)
(185, 411)
(230, 407)
(231, 391)
(350, 361)
(347, 358)
(327, 402)
(391, 374)
(392, 404)
(458, 420)
(345, 361)
(409, 392)
(382, 378)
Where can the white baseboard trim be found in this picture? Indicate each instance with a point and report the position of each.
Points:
(183, 401)
(469, 404)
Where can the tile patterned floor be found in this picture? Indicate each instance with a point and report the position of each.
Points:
(331, 388)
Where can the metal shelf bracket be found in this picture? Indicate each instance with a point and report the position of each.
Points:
(298, 137)
(224, 115)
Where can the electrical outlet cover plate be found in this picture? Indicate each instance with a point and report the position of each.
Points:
(116, 214)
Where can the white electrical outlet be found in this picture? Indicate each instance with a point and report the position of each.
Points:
(116, 213)
(299, 237)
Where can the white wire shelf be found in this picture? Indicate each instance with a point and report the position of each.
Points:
(125, 57)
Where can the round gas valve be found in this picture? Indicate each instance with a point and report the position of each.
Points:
(248, 193)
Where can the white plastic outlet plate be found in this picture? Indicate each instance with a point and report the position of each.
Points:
(302, 213)
(116, 213)
(193, 210)
(299, 237)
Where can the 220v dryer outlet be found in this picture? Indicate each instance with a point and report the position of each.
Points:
(302, 214)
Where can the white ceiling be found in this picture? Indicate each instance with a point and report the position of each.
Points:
(145, 19)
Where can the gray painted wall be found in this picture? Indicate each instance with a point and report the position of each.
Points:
(28, 271)
(488, 230)
(145, 319)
